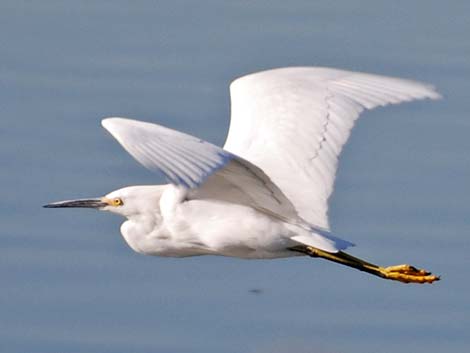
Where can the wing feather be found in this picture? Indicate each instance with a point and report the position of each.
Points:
(205, 170)
(293, 123)
(185, 160)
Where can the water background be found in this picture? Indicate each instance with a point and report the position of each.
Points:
(70, 284)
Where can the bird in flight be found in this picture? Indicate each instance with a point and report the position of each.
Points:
(265, 193)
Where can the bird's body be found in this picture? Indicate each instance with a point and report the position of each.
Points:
(265, 193)
(178, 227)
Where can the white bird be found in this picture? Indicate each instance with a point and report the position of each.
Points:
(265, 193)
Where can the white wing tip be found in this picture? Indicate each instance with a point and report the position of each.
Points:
(433, 93)
(112, 122)
(424, 91)
(118, 127)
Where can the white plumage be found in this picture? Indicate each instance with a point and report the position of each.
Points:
(267, 190)
(293, 123)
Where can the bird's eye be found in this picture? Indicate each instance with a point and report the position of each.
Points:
(117, 202)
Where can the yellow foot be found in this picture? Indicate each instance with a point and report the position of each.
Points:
(408, 274)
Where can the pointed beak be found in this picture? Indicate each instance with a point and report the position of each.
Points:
(84, 203)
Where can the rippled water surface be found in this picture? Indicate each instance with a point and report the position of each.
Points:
(70, 284)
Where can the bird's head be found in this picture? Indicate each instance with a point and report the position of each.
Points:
(128, 201)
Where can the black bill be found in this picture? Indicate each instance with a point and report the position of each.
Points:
(86, 203)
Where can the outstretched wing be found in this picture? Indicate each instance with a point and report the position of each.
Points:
(205, 170)
(293, 123)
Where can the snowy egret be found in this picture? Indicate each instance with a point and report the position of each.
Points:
(265, 193)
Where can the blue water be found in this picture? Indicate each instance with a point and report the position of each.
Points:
(70, 284)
